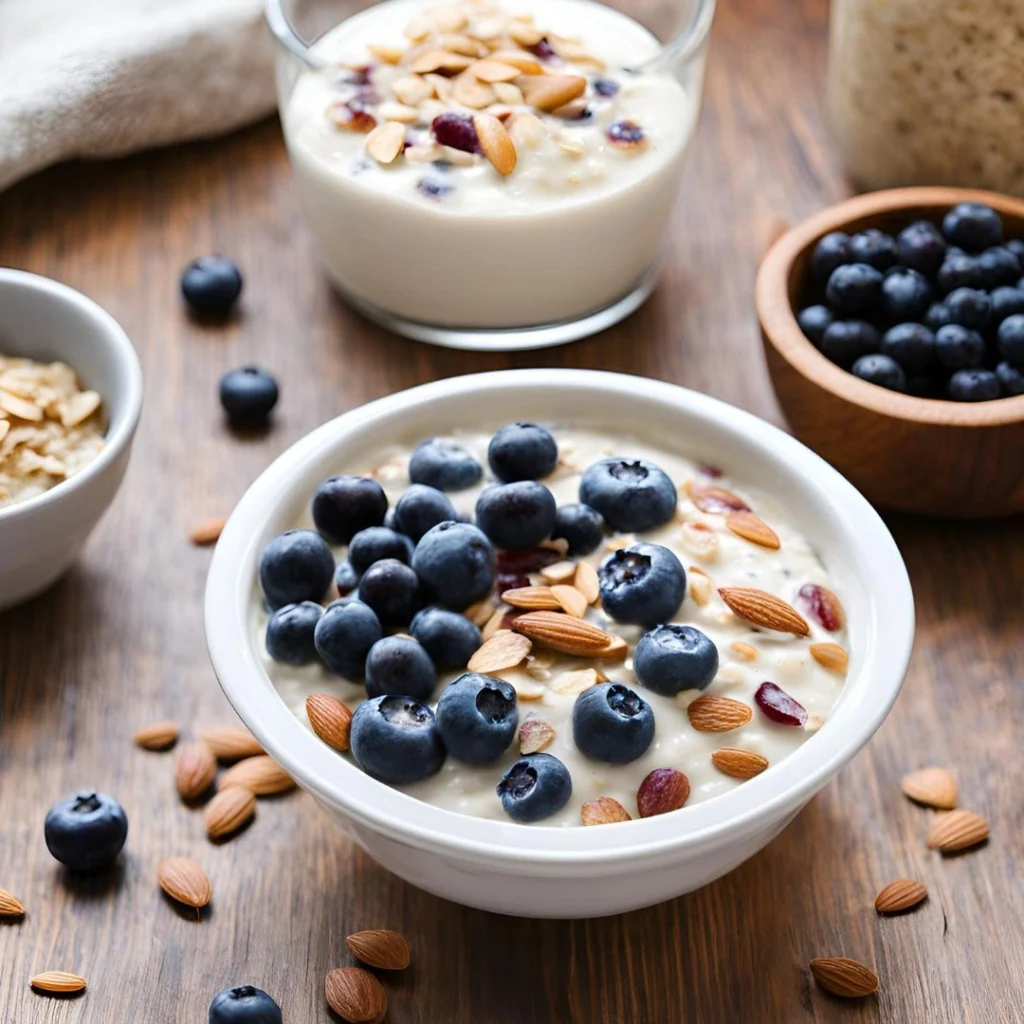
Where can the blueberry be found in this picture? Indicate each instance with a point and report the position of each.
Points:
(633, 495)
(296, 566)
(1016, 246)
(1005, 302)
(906, 295)
(346, 579)
(448, 637)
(534, 788)
(581, 526)
(86, 831)
(1010, 338)
(1011, 378)
(391, 589)
(643, 583)
(606, 87)
(612, 723)
(813, 321)
(846, 341)
(853, 288)
(873, 247)
(376, 543)
(211, 284)
(290, 633)
(969, 307)
(395, 739)
(673, 658)
(832, 250)
(959, 348)
(477, 717)
(517, 515)
(420, 509)
(998, 266)
(522, 451)
(455, 563)
(921, 247)
(244, 1004)
(344, 505)
(938, 315)
(881, 370)
(974, 386)
(344, 637)
(911, 345)
(958, 270)
(248, 395)
(444, 465)
(399, 665)
(972, 226)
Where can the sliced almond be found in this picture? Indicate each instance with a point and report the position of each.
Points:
(570, 599)
(386, 141)
(714, 500)
(743, 651)
(231, 744)
(618, 648)
(158, 736)
(844, 977)
(11, 907)
(232, 808)
(386, 54)
(184, 881)
(208, 531)
(398, 112)
(900, 895)
(471, 93)
(587, 583)
(528, 131)
(381, 948)
(496, 622)
(263, 775)
(195, 768)
(831, 656)
(574, 53)
(58, 982)
(496, 143)
(417, 29)
(710, 713)
(525, 62)
(534, 734)
(488, 27)
(412, 90)
(561, 632)
(765, 610)
(740, 764)
(458, 42)
(494, 71)
(503, 651)
(21, 408)
(79, 408)
(524, 34)
(701, 587)
(480, 612)
(699, 540)
(440, 61)
(546, 92)
(533, 598)
(559, 572)
(330, 719)
(933, 787)
(957, 830)
(507, 93)
(750, 527)
(571, 683)
(448, 18)
(526, 688)
(605, 810)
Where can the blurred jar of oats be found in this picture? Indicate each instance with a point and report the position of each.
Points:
(929, 92)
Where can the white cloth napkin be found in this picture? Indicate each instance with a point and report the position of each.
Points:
(92, 78)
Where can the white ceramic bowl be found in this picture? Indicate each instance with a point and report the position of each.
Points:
(571, 872)
(41, 319)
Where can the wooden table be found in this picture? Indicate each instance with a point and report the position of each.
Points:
(120, 642)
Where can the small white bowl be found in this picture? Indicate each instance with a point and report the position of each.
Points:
(43, 320)
(571, 872)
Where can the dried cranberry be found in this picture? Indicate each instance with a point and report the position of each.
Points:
(823, 606)
(457, 131)
(606, 87)
(779, 706)
(523, 560)
(627, 134)
(512, 581)
(710, 471)
(543, 49)
(351, 118)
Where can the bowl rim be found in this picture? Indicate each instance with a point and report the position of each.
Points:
(412, 822)
(778, 319)
(123, 419)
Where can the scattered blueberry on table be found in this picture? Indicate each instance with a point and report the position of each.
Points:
(248, 396)
(86, 831)
(211, 284)
(244, 1004)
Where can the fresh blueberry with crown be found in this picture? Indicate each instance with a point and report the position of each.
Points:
(445, 465)
(1010, 338)
(516, 515)
(344, 636)
(581, 526)
(633, 495)
(814, 321)
(958, 270)
(873, 247)
(211, 284)
(86, 831)
(911, 345)
(972, 226)
(376, 543)
(399, 665)
(610, 722)
(845, 341)
(455, 564)
(395, 739)
(391, 589)
(853, 288)
(344, 505)
(671, 658)
(881, 370)
(296, 566)
(905, 296)
(1011, 378)
(421, 508)
(959, 348)
(534, 788)
(448, 637)
(831, 251)
(921, 247)
(248, 395)
(290, 633)
(643, 584)
(974, 386)
(244, 1004)
(522, 451)
(969, 307)
(477, 717)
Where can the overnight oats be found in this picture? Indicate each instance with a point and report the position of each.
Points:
(486, 166)
(554, 626)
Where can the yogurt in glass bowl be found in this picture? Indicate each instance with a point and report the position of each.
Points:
(491, 174)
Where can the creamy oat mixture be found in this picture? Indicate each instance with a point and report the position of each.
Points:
(49, 427)
(548, 683)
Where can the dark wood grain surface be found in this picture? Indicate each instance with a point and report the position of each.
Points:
(119, 642)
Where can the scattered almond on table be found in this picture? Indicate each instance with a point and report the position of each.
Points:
(158, 736)
(231, 744)
(262, 775)
(844, 977)
(11, 907)
(356, 995)
(195, 769)
(380, 948)
(208, 531)
(229, 811)
(184, 880)
(933, 787)
(957, 830)
(58, 983)
(900, 895)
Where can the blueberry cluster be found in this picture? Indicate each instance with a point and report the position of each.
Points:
(411, 569)
(936, 311)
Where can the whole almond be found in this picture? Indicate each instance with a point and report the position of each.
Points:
(740, 764)
(158, 736)
(380, 948)
(534, 734)
(356, 995)
(263, 775)
(663, 790)
(195, 768)
(831, 656)
(208, 531)
(330, 719)
(231, 744)
(957, 830)
(531, 598)
(718, 714)
(749, 527)
(572, 601)
(184, 881)
(228, 811)
(58, 982)
(605, 810)
(844, 977)
(586, 582)
(10, 906)
(900, 895)
(561, 632)
(933, 787)
(765, 610)
(502, 651)
(546, 92)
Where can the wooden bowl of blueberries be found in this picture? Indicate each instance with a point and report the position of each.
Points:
(893, 327)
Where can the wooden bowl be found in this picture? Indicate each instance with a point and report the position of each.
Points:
(924, 455)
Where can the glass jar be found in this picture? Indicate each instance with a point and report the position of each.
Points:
(522, 224)
(929, 92)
